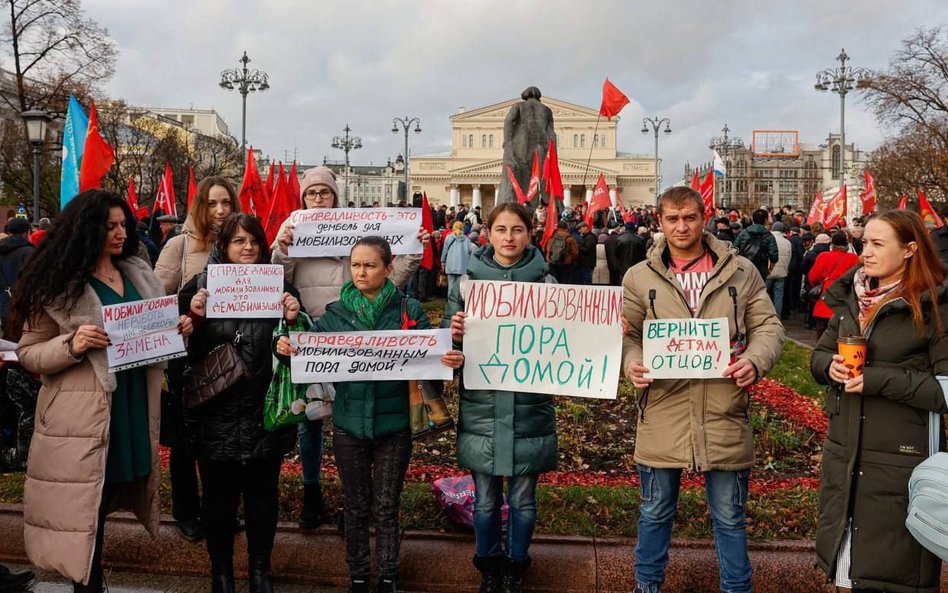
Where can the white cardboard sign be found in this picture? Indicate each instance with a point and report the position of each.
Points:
(331, 232)
(142, 332)
(685, 348)
(244, 291)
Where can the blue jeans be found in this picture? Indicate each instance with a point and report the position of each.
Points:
(775, 288)
(727, 496)
(311, 450)
(522, 516)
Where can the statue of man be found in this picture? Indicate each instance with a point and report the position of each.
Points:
(527, 128)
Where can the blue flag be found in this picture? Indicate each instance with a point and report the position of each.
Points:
(74, 141)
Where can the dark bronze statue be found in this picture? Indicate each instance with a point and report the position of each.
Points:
(527, 128)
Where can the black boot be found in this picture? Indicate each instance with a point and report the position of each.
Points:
(222, 576)
(386, 585)
(311, 515)
(359, 585)
(492, 573)
(513, 579)
(260, 579)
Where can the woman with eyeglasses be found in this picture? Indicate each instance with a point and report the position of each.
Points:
(319, 281)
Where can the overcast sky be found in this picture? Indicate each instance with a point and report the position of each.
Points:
(746, 63)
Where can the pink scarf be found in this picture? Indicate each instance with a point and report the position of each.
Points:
(870, 299)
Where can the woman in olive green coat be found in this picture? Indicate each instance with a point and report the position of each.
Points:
(503, 433)
(878, 429)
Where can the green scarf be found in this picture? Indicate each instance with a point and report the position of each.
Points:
(366, 310)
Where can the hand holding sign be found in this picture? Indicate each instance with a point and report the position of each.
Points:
(199, 302)
(742, 371)
(636, 373)
(88, 337)
(291, 307)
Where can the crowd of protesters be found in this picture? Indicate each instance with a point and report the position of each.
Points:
(880, 273)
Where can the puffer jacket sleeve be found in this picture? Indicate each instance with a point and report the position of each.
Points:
(168, 266)
(764, 331)
(917, 388)
(278, 257)
(43, 350)
(405, 267)
(633, 308)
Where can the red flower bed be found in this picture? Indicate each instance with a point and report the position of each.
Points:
(796, 408)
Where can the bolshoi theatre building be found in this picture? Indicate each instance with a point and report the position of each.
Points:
(470, 172)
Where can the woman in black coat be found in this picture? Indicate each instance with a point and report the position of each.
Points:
(236, 456)
(878, 420)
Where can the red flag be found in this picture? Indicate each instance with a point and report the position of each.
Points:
(696, 182)
(427, 260)
(613, 100)
(902, 202)
(707, 194)
(253, 196)
(835, 210)
(280, 207)
(271, 184)
(551, 174)
(552, 220)
(521, 199)
(165, 197)
(294, 186)
(600, 200)
(868, 196)
(534, 188)
(816, 210)
(929, 216)
(97, 155)
(132, 197)
(192, 186)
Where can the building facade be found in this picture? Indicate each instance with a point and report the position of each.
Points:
(367, 184)
(201, 121)
(470, 172)
(752, 182)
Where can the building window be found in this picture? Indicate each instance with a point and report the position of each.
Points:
(602, 141)
(582, 140)
(470, 140)
(483, 140)
(490, 141)
(836, 164)
(596, 141)
(463, 141)
(575, 140)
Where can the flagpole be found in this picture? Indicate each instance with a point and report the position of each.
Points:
(588, 160)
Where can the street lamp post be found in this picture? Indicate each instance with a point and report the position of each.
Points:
(656, 124)
(345, 144)
(245, 81)
(841, 80)
(37, 122)
(723, 143)
(405, 123)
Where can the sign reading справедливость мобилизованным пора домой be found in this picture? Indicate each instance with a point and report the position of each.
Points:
(542, 338)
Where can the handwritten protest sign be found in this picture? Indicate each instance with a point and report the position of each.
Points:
(244, 290)
(142, 332)
(331, 232)
(369, 356)
(543, 338)
(685, 348)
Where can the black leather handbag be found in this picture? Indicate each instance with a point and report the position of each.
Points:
(214, 377)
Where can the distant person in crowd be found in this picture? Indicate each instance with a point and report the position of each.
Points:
(455, 255)
(818, 244)
(238, 459)
(856, 232)
(167, 225)
(319, 281)
(15, 250)
(40, 233)
(587, 254)
(86, 261)
(698, 425)
(630, 248)
(182, 258)
(878, 429)
(148, 243)
(600, 274)
(562, 253)
(503, 434)
(612, 260)
(791, 293)
(828, 267)
(722, 230)
(757, 244)
(371, 436)
(777, 278)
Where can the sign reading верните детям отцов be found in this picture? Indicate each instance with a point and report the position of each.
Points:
(244, 291)
(370, 356)
(142, 332)
(685, 348)
(543, 338)
(331, 232)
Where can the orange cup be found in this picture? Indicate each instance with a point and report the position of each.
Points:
(853, 351)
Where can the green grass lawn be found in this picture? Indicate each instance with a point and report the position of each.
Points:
(793, 370)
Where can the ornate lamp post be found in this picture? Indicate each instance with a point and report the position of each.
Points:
(841, 80)
(656, 125)
(405, 123)
(245, 81)
(722, 144)
(37, 121)
(345, 144)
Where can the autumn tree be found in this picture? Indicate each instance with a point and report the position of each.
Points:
(910, 98)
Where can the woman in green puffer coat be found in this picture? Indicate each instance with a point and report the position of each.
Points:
(371, 435)
(503, 433)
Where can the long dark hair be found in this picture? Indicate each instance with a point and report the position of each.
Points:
(249, 223)
(66, 259)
